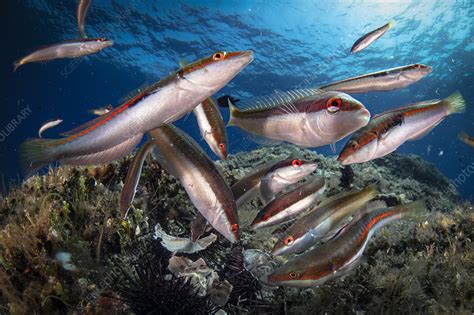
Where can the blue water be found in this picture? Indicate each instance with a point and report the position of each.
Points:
(296, 43)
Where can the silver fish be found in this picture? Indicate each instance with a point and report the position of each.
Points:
(133, 176)
(341, 255)
(308, 118)
(385, 80)
(290, 204)
(366, 40)
(322, 220)
(49, 124)
(183, 158)
(82, 8)
(70, 49)
(115, 134)
(282, 175)
(389, 130)
(212, 127)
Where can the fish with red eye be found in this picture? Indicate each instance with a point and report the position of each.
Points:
(296, 163)
(289, 205)
(333, 105)
(211, 125)
(302, 117)
(340, 255)
(283, 174)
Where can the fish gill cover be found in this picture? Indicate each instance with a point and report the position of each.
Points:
(64, 245)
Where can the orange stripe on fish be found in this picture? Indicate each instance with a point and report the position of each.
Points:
(373, 222)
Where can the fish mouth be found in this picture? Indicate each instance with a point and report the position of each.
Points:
(108, 43)
(246, 56)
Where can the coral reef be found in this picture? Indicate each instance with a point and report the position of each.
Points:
(65, 248)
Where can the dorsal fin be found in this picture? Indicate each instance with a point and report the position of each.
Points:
(277, 99)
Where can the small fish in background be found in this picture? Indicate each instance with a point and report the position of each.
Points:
(82, 8)
(212, 127)
(283, 174)
(307, 117)
(133, 177)
(183, 158)
(101, 110)
(341, 255)
(324, 221)
(464, 137)
(366, 40)
(70, 49)
(389, 130)
(49, 124)
(384, 80)
(290, 204)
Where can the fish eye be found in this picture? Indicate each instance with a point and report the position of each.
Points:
(353, 145)
(221, 146)
(289, 240)
(334, 104)
(101, 39)
(293, 275)
(180, 73)
(296, 163)
(234, 228)
(218, 55)
(417, 65)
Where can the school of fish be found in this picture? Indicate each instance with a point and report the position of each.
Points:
(327, 231)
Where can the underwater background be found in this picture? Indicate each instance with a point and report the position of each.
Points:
(65, 248)
(297, 44)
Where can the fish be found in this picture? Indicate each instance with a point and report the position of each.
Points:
(290, 204)
(82, 8)
(384, 80)
(212, 127)
(113, 135)
(198, 227)
(282, 175)
(133, 177)
(322, 221)
(69, 49)
(341, 255)
(464, 137)
(49, 124)
(101, 110)
(389, 130)
(183, 158)
(249, 186)
(366, 40)
(307, 118)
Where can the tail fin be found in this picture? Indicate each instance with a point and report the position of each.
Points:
(413, 209)
(16, 65)
(37, 153)
(223, 101)
(232, 112)
(455, 103)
